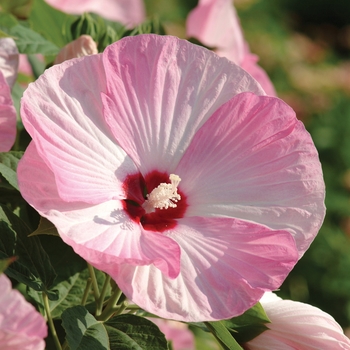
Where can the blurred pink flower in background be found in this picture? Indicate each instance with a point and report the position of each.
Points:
(177, 333)
(235, 193)
(295, 325)
(9, 60)
(83, 46)
(21, 326)
(215, 24)
(127, 12)
(24, 66)
(8, 75)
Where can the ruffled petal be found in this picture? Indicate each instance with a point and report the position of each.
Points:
(9, 60)
(102, 234)
(215, 23)
(160, 91)
(226, 265)
(105, 236)
(296, 325)
(21, 326)
(62, 111)
(7, 117)
(255, 161)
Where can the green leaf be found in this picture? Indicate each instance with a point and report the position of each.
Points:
(33, 266)
(30, 42)
(27, 40)
(149, 26)
(17, 93)
(83, 331)
(102, 31)
(72, 275)
(52, 24)
(249, 325)
(37, 65)
(222, 334)
(8, 167)
(133, 332)
(68, 266)
(45, 227)
(3, 34)
(7, 21)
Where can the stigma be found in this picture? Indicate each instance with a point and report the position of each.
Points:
(164, 196)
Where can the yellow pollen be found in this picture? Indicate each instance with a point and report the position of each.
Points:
(163, 196)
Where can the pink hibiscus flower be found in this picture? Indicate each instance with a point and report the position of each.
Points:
(215, 23)
(295, 326)
(21, 326)
(157, 169)
(8, 75)
(128, 12)
(177, 333)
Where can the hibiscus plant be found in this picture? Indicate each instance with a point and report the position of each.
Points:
(157, 190)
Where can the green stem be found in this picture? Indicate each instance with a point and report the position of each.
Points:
(94, 282)
(110, 308)
(86, 291)
(116, 310)
(134, 307)
(99, 305)
(122, 307)
(49, 319)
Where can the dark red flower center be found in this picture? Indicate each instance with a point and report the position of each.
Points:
(137, 188)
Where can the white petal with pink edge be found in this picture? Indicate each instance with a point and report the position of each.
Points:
(62, 112)
(102, 234)
(226, 265)
(255, 161)
(295, 325)
(160, 90)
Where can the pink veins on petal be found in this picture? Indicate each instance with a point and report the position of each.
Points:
(165, 166)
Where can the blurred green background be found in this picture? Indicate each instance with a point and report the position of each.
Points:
(305, 48)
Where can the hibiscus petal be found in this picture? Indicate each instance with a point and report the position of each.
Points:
(21, 326)
(296, 325)
(215, 23)
(254, 160)
(160, 91)
(7, 117)
(9, 60)
(102, 234)
(105, 236)
(226, 265)
(62, 112)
